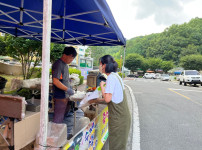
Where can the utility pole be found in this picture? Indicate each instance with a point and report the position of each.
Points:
(120, 63)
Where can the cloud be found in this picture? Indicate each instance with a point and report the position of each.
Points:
(143, 17)
(165, 12)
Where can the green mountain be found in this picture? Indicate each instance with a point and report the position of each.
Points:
(174, 42)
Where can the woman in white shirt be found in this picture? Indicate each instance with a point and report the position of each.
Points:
(114, 95)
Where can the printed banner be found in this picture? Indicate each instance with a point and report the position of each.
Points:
(93, 136)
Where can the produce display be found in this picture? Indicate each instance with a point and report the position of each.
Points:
(91, 89)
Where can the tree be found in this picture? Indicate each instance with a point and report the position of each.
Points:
(145, 65)
(189, 50)
(119, 62)
(56, 51)
(96, 53)
(154, 63)
(133, 61)
(26, 51)
(167, 65)
(191, 62)
(176, 41)
(2, 46)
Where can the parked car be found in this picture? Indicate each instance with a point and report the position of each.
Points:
(133, 75)
(149, 76)
(190, 77)
(158, 75)
(165, 77)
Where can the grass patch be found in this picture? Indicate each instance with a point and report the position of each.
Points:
(9, 78)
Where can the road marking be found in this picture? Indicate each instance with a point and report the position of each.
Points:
(179, 94)
(185, 97)
(138, 92)
(185, 90)
(135, 122)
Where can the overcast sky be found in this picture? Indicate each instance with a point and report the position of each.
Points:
(143, 17)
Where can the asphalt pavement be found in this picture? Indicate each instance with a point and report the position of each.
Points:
(170, 114)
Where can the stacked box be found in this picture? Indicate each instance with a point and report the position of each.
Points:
(92, 80)
(12, 106)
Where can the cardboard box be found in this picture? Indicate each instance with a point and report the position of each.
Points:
(25, 131)
(91, 80)
(14, 103)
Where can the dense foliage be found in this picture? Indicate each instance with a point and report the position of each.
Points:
(56, 51)
(24, 50)
(171, 45)
(191, 62)
(28, 52)
(77, 71)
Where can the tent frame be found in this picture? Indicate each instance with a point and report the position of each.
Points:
(46, 39)
(47, 11)
(60, 39)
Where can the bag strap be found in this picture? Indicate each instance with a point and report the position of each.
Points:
(119, 80)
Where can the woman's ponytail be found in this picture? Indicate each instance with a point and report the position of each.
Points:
(111, 64)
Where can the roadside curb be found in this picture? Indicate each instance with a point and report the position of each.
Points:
(135, 122)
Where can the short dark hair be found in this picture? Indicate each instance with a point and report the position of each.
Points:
(111, 64)
(69, 50)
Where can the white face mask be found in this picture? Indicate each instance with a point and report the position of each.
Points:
(100, 68)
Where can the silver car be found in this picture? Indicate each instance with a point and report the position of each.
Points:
(165, 77)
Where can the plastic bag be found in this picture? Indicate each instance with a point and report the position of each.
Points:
(31, 82)
(56, 135)
(78, 95)
(74, 79)
(89, 96)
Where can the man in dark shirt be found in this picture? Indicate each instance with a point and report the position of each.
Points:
(61, 86)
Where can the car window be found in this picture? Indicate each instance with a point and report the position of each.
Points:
(191, 73)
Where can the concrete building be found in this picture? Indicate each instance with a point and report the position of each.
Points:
(81, 53)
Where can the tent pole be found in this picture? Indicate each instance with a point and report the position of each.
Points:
(123, 60)
(47, 11)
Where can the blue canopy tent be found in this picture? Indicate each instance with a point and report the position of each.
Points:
(177, 72)
(75, 22)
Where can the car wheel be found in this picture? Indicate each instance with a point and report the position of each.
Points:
(185, 84)
(180, 83)
(194, 84)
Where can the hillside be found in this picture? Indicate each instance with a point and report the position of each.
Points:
(174, 42)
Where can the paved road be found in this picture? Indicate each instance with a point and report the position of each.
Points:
(170, 115)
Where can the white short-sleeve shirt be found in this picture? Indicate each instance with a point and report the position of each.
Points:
(114, 87)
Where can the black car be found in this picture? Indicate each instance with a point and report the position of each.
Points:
(133, 75)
